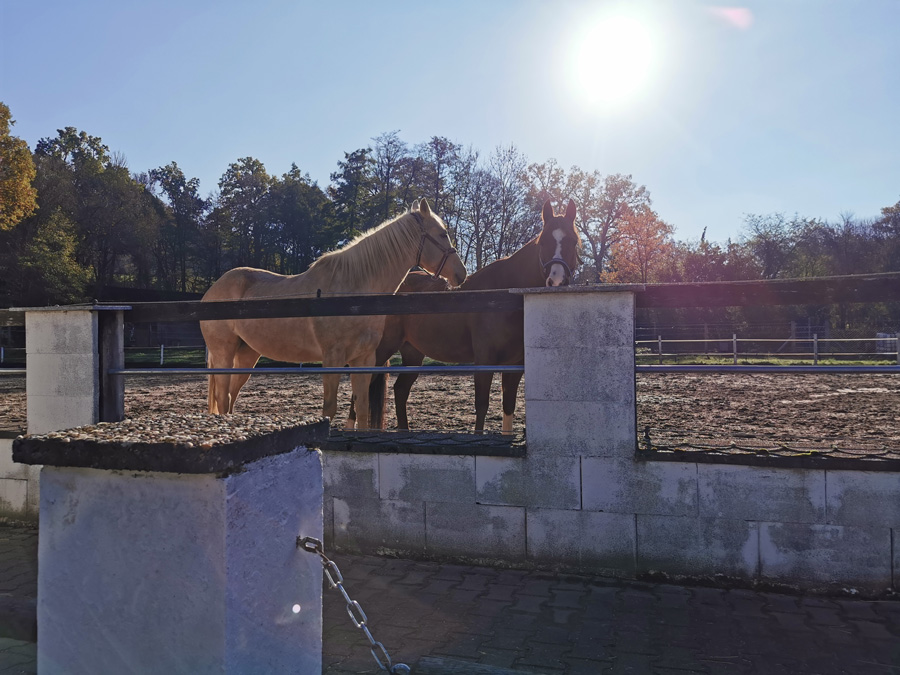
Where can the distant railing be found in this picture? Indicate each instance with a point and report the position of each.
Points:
(814, 353)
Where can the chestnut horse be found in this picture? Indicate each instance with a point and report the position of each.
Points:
(375, 262)
(481, 338)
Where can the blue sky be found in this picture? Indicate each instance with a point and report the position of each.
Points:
(772, 106)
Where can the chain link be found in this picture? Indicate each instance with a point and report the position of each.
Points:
(354, 610)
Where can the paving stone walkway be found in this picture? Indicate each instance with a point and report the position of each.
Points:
(535, 622)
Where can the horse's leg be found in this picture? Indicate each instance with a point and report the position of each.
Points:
(377, 397)
(246, 357)
(509, 383)
(330, 385)
(378, 387)
(410, 357)
(359, 383)
(222, 356)
(482, 398)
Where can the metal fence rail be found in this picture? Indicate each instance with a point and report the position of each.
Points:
(835, 370)
(815, 341)
(316, 370)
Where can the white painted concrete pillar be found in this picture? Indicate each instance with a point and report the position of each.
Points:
(579, 372)
(68, 350)
(193, 569)
(62, 375)
(580, 416)
(579, 395)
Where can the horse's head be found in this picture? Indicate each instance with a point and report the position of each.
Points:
(558, 244)
(436, 252)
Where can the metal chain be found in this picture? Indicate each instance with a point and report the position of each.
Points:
(357, 615)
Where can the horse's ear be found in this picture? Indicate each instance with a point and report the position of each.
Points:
(415, 205)
(547, 211)
(424, 209)
(570, 212)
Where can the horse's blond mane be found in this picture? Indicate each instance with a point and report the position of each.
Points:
(388, 245)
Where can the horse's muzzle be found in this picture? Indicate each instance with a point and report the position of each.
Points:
(558, 273)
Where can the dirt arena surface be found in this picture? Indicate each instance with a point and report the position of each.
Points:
(775, 408)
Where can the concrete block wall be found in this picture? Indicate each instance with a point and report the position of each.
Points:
(582, 499)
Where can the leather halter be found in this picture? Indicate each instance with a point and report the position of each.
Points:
(447, 252)
(556, 261)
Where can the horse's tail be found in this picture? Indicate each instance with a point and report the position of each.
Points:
(377, 393)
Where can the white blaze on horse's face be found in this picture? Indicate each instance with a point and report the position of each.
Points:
(557, 276)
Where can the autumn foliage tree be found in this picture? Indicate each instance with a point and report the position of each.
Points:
(18, 197)
(643, 242)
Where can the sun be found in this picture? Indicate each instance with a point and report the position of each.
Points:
(612, 61)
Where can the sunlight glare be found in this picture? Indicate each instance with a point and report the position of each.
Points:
(612, 61)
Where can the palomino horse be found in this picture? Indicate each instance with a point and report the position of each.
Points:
(481, 338)
(375, 262)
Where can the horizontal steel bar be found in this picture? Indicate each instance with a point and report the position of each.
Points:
(821, 339)
(314, 370)
(839, 370)
(12, 371)
(823, 353)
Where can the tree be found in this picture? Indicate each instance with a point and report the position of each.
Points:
(603, 205)
(243, 189)
(46, 271)
(387, 167)
(18, 197)
(644, 240)
(546, 181)
(352, 192)
(769, 238)
(515, 225)
(75, 148)
(887, 235)
(185, 211)
(439, 155)
(479, 218)
(115, 218)
(298, 215)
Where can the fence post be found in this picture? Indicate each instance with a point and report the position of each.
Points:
(659, 348)
(580, 422)
(734, 347)
(185, 557)
(162, 354)
(2, 355)
(815, 349)
(111, 328)
(898, 349)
